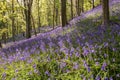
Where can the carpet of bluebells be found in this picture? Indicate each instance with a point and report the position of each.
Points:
(83, 51)
(92, 55)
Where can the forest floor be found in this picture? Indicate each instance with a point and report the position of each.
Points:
(83, 50)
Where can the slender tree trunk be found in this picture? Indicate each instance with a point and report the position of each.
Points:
(82, 9)
(93, 4)
(72, 9)
(0, 44)
(54, 14)
(39, 21)
(105, 6)
(13, 23)
(78, 7)
(63, 10)
(76, 1)
(33, 22)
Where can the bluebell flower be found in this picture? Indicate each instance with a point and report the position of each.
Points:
(62, 65)
(98, 78)
(97, 63)
(76, 66)
(77, 54)
(4, 75)
(110, 78)
(47, 73)
(104, 66)
(106, 78)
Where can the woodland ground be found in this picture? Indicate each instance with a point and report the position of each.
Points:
(80, 51)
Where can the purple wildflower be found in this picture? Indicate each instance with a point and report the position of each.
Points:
(105, 44)
(47, 73)
(72, 51)
(62, 65)
(98, 78)
(106, 78)
(104, 66)
(88, 69)
(76, 66)
(110, 78)
(97, 63)
(4, 75)
(22, 58)
(85, 51)
(77, 54)
(60, 43)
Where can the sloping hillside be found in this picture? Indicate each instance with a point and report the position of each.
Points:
(80, 51)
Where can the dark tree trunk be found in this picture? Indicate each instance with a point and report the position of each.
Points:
(0, 45)
(27, 11)
(54, 14)
(78, 7)
(105, 6)
(82, 8)
(63, 12)
(93, 4)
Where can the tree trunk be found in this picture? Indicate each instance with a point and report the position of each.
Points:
(56, 16)
(78, 7)
(13, 23)
(72, 9)
(63, 13)
(93, 4)
(105, 7)
(53, 14)
(0, 44)
(82, 5)
(27, 11)
(39, 21)
(33, 24)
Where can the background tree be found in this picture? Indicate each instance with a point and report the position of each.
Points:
(27, 12)
(63, 12)
(72, 9)
(13, 23)
(105, 6)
